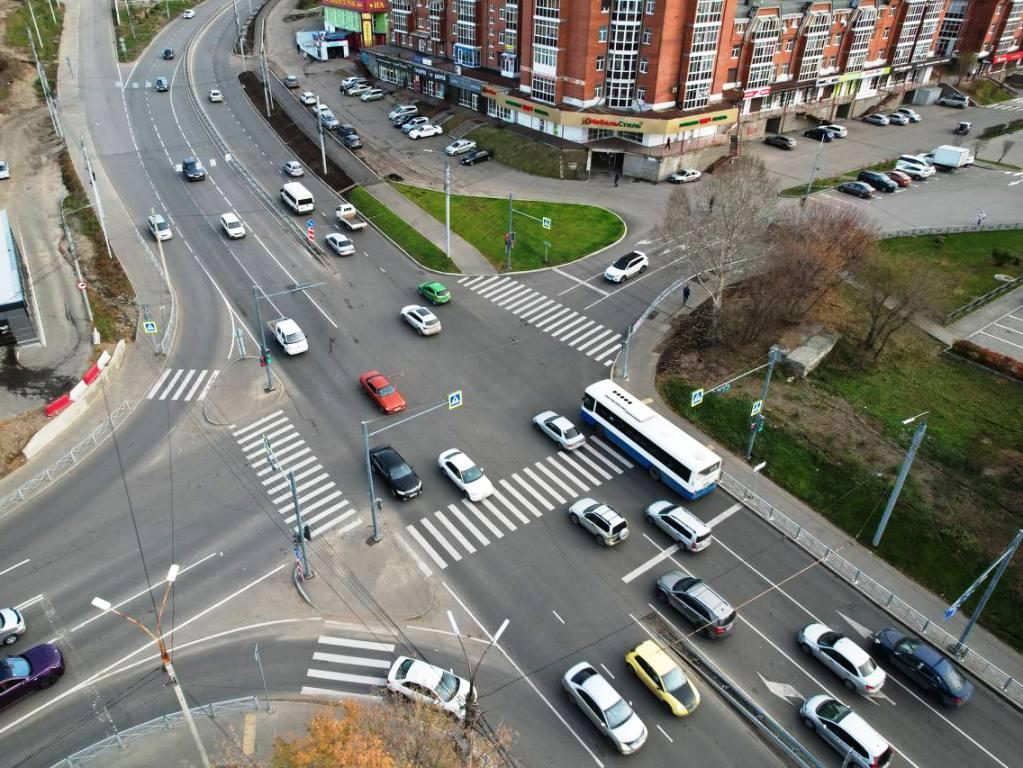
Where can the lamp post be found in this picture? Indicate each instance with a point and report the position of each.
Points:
(165, 659)
(471, 710)
(907, 462)
(447, 204)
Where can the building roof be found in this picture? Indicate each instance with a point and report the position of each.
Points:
(11, 289)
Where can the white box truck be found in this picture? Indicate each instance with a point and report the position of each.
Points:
(947, 156)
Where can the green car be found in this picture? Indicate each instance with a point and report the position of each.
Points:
(434, 292)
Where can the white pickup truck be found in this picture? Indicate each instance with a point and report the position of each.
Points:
(349, 217)
(288, 335)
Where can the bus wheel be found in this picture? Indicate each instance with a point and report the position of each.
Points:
(655, 473)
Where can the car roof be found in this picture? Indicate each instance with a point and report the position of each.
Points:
(155, 218)
(387, 455)
(862, 731)
(703, 592)
(286, 324)
(561, 422)
(228, 217)
(656, 657)
(600, 691)
(683, 515)
(851, 651)
(424, 674)
(459, 459)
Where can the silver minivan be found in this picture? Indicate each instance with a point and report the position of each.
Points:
(960, 100)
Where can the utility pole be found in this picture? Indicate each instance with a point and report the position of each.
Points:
(319, 125)
(959, 649)
(263, 351)
(907, 462)
(813, 171)
(98, 201)
(758, 418)
(510, 237)
(300, 532)
(471, 708)
(373, 501)
(266, 79)
(447, 207)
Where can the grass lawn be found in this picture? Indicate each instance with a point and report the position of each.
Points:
(145, 22)
(576, 230)
(964, 259)
(392, 225)
(19, 22)
(525, 154)
(985, 92)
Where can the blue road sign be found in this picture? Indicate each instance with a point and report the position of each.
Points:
(149, 326)
(311, 223)
(696, 398)
(454, 399)
(758, 406)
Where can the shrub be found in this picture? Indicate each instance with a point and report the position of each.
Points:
(993, 360)
(1000, 257)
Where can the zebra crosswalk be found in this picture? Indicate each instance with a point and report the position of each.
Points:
(342, 666)
(323, 505)
(183, 384)
(553, 318)
(458, 531)
(1015, 105)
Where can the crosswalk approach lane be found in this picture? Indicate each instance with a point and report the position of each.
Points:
(458, 531)
(343, 665)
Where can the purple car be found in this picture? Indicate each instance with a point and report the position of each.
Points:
(35, 669)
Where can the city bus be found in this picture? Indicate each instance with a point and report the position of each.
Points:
(649, 439)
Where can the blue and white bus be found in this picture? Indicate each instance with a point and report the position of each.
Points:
(664, 450)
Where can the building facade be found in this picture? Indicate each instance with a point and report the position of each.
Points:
(992, 30)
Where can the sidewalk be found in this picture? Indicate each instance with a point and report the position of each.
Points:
(642, 369)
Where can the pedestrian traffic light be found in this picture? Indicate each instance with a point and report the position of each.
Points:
(267, 357)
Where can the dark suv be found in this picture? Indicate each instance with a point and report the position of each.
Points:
(878, 181)
(168, 54)
(702, 606)
(193, 169)
(819, 134)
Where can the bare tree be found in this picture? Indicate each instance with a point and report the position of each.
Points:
(721, 223)
(1007, 145)
(895, 293)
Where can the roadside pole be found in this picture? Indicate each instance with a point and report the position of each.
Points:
(907, 462)
(813, 172)
(319, 125)
(510, 237)
(263, 351)
(447, 207)
(758, 415)
(97, 200)
(300, 532)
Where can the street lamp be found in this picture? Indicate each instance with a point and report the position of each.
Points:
(471, 710)
(907, 462)
(106, 606)
(447, 203)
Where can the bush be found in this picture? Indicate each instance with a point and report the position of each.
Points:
(1001, 257)
(993, 360)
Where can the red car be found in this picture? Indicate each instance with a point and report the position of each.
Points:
(383, 392)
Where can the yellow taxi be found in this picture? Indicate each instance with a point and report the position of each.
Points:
(664, 677)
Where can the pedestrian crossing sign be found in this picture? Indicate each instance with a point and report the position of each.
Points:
(758, 406)
(149, 326)
(696, 398)
(454, 399)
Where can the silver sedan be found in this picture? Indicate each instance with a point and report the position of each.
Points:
(843, 657)
(559, 429)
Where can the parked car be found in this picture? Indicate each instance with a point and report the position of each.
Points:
(352, 80)
(606, 525)
(215, 96)
(188, 13)
(915, 170)
(291, 81)
(876, 119)
(559, 429)
(345, 129)
(318, 108)
(328, 120)
(192, 169)
(857, 189)
(159, 228)
(685, 528)
(5, 170)
(878, 181)
(900, 178)
(685, 176)
(605, 708)
(459, 146)
(352, 141)
(624, 267)
(960, 100)
(819, 134)
(232, 227)
(12, 625)
(340, 244)
(846, 732)
(357, 89)
(464, 473)
(477, 156)
(161, 85)
(168, 54)
(293, 168)
(36, 669)
(708, 611)
(382, 392)
(396, 472)
(425, 683)
(659, 672)
(924, 666)
(308, 98)
(425, 131)
(434, 292)
(838, 131)
(422, 319)
(842, 656)
(778, 140)
(403, 109)
(897, 118)
(913, 116)
(371, 94)
(408, 122)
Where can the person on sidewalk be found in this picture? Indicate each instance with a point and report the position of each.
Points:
(669, 143)
(685, 295)
(980, 217)
(618, 176)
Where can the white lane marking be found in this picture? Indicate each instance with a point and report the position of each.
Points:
(198, 381)
(639, 570)
(609, 673)
(426, 546)
(581, 455)
(566, 457)
(556, 616)
(596, 339)
(356, 661)
(455, 532)
(521, 499)
(665, 735)
(624, 461)
(604, 343)
(532, 492)
(499, 514)
(500, 497)
(545, 311)
(170, 385)
(345, 677)
(255, 424)
(424, 569)
(555, 479)
(304, 491)
(312, 690)
(257, 439)
(328, 511)
(536, 479)
(554, 463)
(505, 290)
(30, 602)
(158, 384)
(611, 351)
(512, 298)
(551, 318)
(497, 288)
(536, 303)
(583, 283)
(468, 524)
(483, 518)
(439, 537)
(554, 326)
(10, 568)
(724, 515)
(486, 281)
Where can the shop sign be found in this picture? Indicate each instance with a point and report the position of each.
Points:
(826, 81)
(362, 6)
(1001, 58)
(756, 93)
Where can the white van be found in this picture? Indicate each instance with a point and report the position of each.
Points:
(297, 198)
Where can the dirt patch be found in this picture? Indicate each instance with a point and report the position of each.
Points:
(14, 435)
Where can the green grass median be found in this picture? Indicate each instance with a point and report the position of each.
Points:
(417, 246)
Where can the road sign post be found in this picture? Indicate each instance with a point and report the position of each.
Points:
(696, 398)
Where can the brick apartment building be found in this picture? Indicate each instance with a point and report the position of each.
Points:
(630, 77)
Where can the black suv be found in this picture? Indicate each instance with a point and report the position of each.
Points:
(168, 53)
(878, 181)
(819, 134)
(397, 473)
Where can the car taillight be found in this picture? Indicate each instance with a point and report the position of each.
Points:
(719, 630)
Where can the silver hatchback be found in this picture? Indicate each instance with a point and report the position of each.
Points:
(698, 602)
(606, 525)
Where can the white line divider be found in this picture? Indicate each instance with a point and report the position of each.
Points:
(521, 499)
(724, 515)
(664, 554)
(500, 497)
(532, 491)
(483, 518)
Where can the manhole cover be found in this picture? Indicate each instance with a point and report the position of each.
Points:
(393, 177)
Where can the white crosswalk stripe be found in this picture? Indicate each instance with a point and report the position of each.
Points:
(449, 535)
(1015, 105)
(324, 508)
(341, 666)
(184, 384)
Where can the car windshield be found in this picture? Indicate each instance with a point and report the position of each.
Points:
(162, 225)
(399, 471)
(617, 714)
(867, 668)
(833, 710)
(292, 338)
(950, 675)
(14, 666)
(571, 432)
(448, 686)
(674, 680)
(472, 474)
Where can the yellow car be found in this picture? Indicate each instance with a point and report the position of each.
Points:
(664, 677)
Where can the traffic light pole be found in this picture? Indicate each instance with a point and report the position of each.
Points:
(300, 533)
(759, 418)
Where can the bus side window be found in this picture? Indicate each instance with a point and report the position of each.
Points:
(588, 403)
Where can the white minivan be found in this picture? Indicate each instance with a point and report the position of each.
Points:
(297, 198)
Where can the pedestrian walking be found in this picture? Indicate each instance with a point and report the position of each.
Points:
(980, 217)
(669, 143)
(617, 176)
(685, 295)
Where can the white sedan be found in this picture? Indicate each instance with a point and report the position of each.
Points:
(685, 176)
(188, 14)
(294, 168)
(559, 429)
(422, 319)
(843, 657)
(464, 473)
(308, 98)
(232, 226)
(425, 683)
(5, 170)
(216, 96)
(372, 94)
(629, 265)
(423, 131)
(340, 244)
(458, 146)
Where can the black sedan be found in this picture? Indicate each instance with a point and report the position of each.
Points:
(476, 156)
(36, 669)
(168, 54)
(352, 141)
(924, 666)
(396, 472)
(878, 181)
(856, 189)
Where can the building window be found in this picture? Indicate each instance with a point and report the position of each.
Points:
(817, 30)
(884, 36)
(651, 6)
(596, 134)
(644, 65)
(733, 74)
(836, 39)
(605, 6)
(600, 63)
(765, 44)
(648, 35)
(862, 32)
(892, 10)
(641, 94)
(598, 91)
(602, 35)
(501, 13)
(785, 68)
(543, 89)
(736, 50)
(544, 56)
(788, 46)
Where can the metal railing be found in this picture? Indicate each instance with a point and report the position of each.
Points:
(949, 230)
(167, 722)
(59, 468)
(999, 681)
(966, 309)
